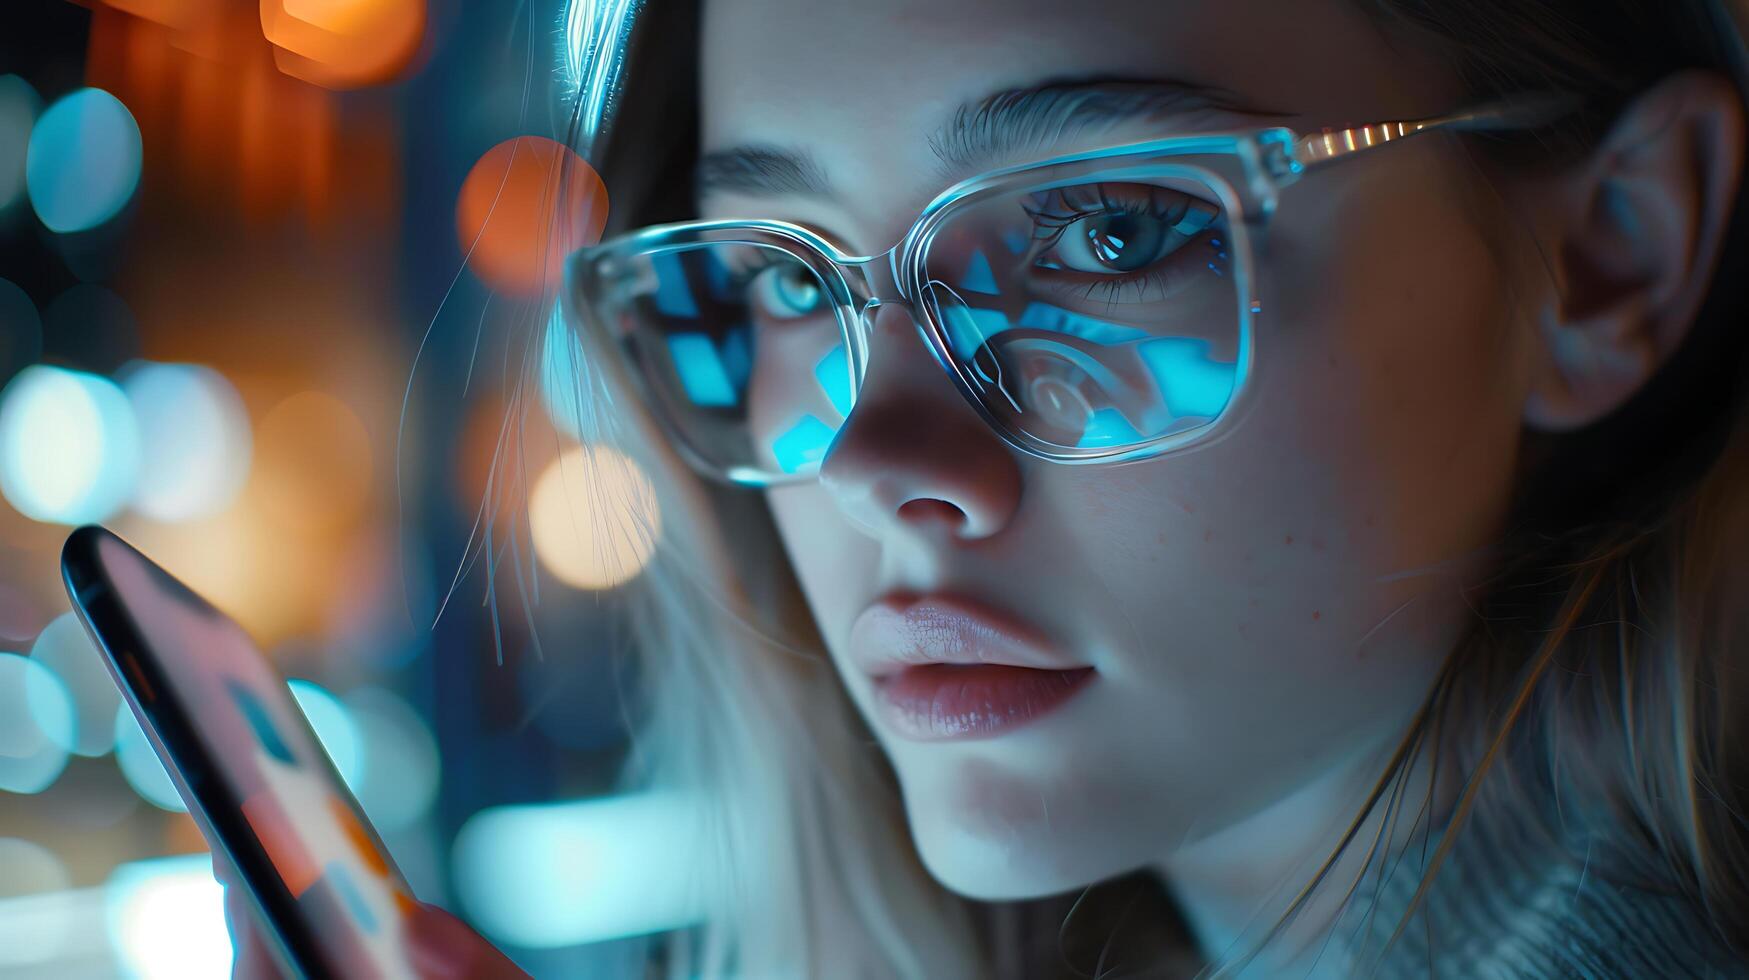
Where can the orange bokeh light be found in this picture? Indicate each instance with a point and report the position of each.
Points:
(313, 463)
(525, 206)
(342, 44)
(181, 15)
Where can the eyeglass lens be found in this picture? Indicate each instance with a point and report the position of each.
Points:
(1097, 314)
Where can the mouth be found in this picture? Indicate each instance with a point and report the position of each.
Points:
(950, 667)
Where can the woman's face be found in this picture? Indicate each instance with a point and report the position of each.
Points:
(1255, 613)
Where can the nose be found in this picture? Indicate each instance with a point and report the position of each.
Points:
(913, 455)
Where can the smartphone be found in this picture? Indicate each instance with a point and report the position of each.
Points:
(245, 760)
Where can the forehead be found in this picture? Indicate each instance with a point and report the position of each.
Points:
(860, 87)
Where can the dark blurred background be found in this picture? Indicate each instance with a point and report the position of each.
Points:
(270, 289)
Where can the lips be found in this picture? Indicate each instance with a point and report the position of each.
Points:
(951, 667)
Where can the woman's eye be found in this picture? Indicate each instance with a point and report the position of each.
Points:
(787, 292)
(1119, 242)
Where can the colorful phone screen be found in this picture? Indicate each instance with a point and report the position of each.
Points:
(247, 762)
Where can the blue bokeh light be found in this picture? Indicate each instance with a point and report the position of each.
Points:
(36, 723)
(567, 873)
(140, 765)
(194, 440)
(69, 446)
(335, 729)
(401, 765)
(65, 648)
(83, 163)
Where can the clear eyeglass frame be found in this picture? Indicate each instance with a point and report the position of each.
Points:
(1248, 173)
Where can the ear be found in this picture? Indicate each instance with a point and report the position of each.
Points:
(1637, 231)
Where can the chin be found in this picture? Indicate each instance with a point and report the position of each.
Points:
(1004, 854)
(994, 871)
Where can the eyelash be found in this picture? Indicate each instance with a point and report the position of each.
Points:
(1049, 225)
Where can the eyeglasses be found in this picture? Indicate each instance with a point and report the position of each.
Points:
(1092, 308)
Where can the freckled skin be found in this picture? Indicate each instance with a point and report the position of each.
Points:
(1390, 388)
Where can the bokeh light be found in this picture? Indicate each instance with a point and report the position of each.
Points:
(334, 727)
(19, 105)
(65, 648)
(21, 329)
(312, 462)
(166, 919)
(140, 765)
(194, 440)
(90, 327)
(36, 721)
(523, 209)
(35, 931)
(178, 15)
(594, 518)
(400, 759)
(567, 873)
(83, 163)
(342, 44)
(69, 447)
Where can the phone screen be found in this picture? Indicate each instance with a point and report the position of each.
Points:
(246, 761)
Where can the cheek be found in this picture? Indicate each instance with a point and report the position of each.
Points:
(1394, 379)
(836, 565)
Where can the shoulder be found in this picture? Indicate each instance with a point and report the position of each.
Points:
(1510, 905)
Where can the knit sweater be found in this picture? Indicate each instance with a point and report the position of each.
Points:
(1511, 905)
(1506, 905)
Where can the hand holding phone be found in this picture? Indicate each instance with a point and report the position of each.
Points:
(286, 833)
(443, 947)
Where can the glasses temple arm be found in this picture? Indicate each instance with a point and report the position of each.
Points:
(1317, 149)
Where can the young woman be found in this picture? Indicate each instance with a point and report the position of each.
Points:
(1284, 516)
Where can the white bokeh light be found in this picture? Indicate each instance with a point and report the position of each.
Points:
(166, 919)
(594, 518)
(69, 446)
(194, 440)
(37, 914)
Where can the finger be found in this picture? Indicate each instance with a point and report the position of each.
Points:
(251, 959)
(445, 948)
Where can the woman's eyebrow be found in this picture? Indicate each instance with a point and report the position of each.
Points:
(1037, 118)
(989, 129)
(765, 171)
